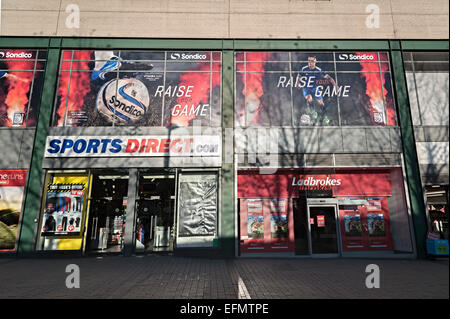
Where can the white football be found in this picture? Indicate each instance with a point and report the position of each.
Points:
(126, 100)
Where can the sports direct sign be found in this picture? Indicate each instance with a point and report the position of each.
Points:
(133, 146)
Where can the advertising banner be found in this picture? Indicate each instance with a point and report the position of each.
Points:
(133, 146)
(12, 184)
(313, 88)
(21, 81)
(63, 213)
(139, 88)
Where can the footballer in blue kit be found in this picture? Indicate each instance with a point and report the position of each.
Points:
(310, 74)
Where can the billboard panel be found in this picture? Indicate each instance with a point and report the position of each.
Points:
(138, 88)
(313, 88)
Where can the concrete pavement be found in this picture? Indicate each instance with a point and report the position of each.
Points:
(173, 277)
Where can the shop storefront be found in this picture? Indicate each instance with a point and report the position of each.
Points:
(159, 146)
(428, 86)
(21, 81)
(128, 210)
(323, 212)
(133, 157)
(319, 164)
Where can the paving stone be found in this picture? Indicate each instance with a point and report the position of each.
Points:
(169, 277)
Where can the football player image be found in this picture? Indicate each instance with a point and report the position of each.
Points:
(310, 74)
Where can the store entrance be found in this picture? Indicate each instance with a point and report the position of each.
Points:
(155, 214)
(323, 229)
(107, 212)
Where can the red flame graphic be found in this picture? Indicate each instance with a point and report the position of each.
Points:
(202, 84)
(253, 89)
(19, 84)
(374, 89)
(78, 88)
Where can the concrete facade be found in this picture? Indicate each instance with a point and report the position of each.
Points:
(263, 19)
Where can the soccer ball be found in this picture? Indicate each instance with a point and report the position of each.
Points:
(305, 119)
(126, 100)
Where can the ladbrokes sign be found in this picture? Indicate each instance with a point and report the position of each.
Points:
(310, 183)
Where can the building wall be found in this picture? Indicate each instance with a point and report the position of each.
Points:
(305, 19)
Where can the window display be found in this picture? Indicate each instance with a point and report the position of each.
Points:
(63, 214)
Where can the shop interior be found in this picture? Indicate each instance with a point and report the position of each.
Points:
(107, 212)
(437, 204)
(155, 212)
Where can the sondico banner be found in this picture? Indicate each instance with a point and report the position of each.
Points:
(314, 88)
(133, 146)
(139, 88)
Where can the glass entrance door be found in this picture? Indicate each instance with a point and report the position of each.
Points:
(107, 212)
(323, 232)
(155, 212)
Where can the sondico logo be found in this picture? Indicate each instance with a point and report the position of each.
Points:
(183, 56)
(20, 55)
(353, 57)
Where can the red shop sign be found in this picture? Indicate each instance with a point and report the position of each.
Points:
(13, 177)
(251, 184)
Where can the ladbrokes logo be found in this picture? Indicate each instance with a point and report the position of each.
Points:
(354, 57)
(184, 56)
(312, 183)
(13, 55)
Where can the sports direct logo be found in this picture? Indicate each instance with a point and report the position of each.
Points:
(354, 57)
(14, 55)
(134, 146)
(184, 56)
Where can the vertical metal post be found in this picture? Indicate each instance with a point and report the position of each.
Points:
(130, 222)
(409, 151)
(227, 214)
(33, 188)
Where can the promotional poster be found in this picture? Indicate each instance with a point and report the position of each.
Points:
(353, 227)
(64, 207)
(376, 225)
(313, 88)
(12, 184)
(21, 81)
(138, 88)
(279, 226)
